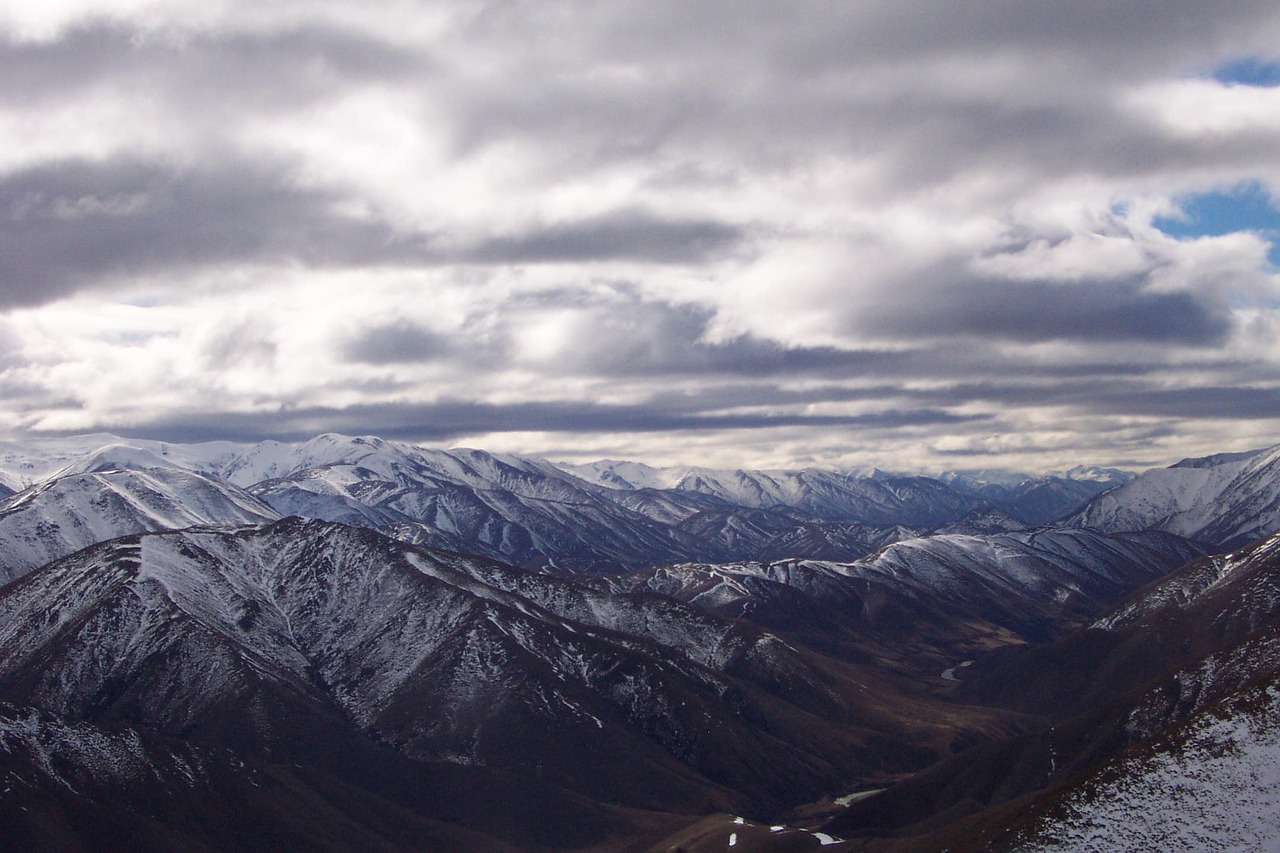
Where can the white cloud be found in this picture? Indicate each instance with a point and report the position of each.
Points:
(1206, 109)
(687, 210)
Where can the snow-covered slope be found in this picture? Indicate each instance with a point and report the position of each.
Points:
(1212, 785)
(920, 601)
(27, 462)
(621, 516)
(834, 495)
(94, 501)
(1227, 500)
(872, 497)
(256, 637)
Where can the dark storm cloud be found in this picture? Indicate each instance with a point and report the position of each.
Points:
(451, 419)
(398, 342)
(77, 224)
(625, 336)
(1114, 397)
(235, 72)
(1210, 402)
(631, 235)
(1047, 310)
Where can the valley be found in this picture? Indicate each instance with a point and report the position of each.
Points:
(351, 643)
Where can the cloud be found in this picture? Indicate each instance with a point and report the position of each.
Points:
(801, 229)
(398, 342)
(629, 235)
(449, 420)
(613, 331)
(237, 71)
(79, 224)
(1046, 311)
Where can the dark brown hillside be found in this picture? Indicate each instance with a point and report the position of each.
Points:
(1173, 649)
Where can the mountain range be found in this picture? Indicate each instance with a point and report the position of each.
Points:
(519, 510)
(351, 643)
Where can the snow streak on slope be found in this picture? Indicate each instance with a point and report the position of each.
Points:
(1034, 566)
(869, 497)
(69, 755)
(101, 502)
(1214, 785)
(1041, 564)
(833, 495)
(1240, 574)
(265, 632)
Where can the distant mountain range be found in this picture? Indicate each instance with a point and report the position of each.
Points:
(602, 517)
(350, 643)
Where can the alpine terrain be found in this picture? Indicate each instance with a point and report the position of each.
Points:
(358, 644)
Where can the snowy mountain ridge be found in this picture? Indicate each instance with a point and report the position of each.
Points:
(79, 508)
(622, 515)
(1227, 500)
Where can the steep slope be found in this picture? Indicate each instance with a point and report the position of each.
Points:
(1211, 784)
(75, 786)
(1226, 501)
(917, 604)
(284, 639)
(95, 500)
(1199, 617)
(1205, 635)
(1037, 499)
(832, 495)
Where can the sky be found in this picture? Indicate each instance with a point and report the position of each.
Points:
(737, 233)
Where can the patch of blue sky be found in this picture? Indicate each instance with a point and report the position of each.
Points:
(1249, 71)
(1245, 207)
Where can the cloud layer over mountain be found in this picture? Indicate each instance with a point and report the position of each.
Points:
(760, 234)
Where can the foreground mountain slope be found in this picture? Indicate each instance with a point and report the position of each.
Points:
(1200, 637)
(76, 786)
(280, 641)
(1210, 784)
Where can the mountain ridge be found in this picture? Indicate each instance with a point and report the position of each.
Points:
(630, 656)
